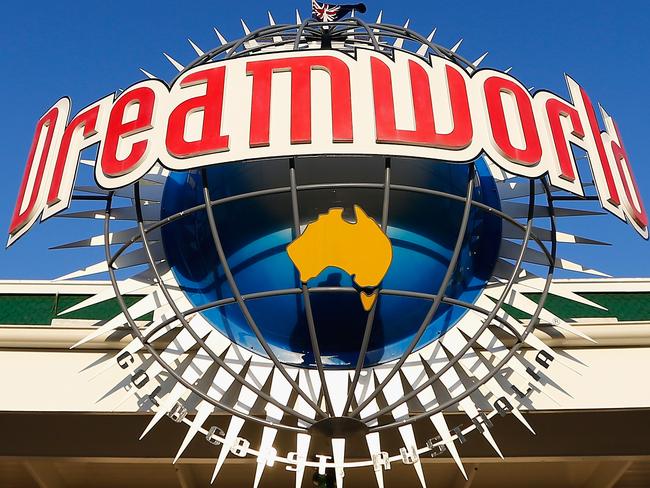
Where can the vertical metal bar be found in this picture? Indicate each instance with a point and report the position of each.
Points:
(451, 268)
(313, 337)
(241, 302)
(371, 315)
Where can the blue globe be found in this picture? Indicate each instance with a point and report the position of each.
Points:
(255, 232)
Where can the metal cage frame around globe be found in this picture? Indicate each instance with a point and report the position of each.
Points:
(351, 34)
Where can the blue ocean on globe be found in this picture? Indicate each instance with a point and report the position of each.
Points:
(255, 232)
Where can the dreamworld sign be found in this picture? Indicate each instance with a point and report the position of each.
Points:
(327, 229)
(327, 102)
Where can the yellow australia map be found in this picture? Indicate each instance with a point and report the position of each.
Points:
(361, 249)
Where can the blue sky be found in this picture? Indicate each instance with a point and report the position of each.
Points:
(88, 49)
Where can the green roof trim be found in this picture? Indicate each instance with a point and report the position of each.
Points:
(43, 308)
(624, 306)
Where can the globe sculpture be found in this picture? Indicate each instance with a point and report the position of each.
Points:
(322, 279)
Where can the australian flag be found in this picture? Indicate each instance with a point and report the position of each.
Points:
(331, 12)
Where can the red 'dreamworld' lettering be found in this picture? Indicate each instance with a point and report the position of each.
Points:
(211, 104)
(531, 153)
(85, 122)
(20, 218)
(556, 110)
(634, 202)
(613, 198)
(425, 133)
(118, 130)
(300, 68)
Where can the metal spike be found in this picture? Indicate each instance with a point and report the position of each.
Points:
(374, 448)
(202, 413)
(425, 47)
(379, 17)
(147, 74)
(456, 46)
(234, 428)
(222, 39)
(399, 42)
(440, 424)
(479, 60)
(338, 450)
(268, 436)
(174, 63)
(247, 31)
(271, 19)
(507, 70)
(302, 449)
(531, 89)
(196, 48)
(127, 287)
(170, 401)
(408, 438)
(143, 306)
(298, 19)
